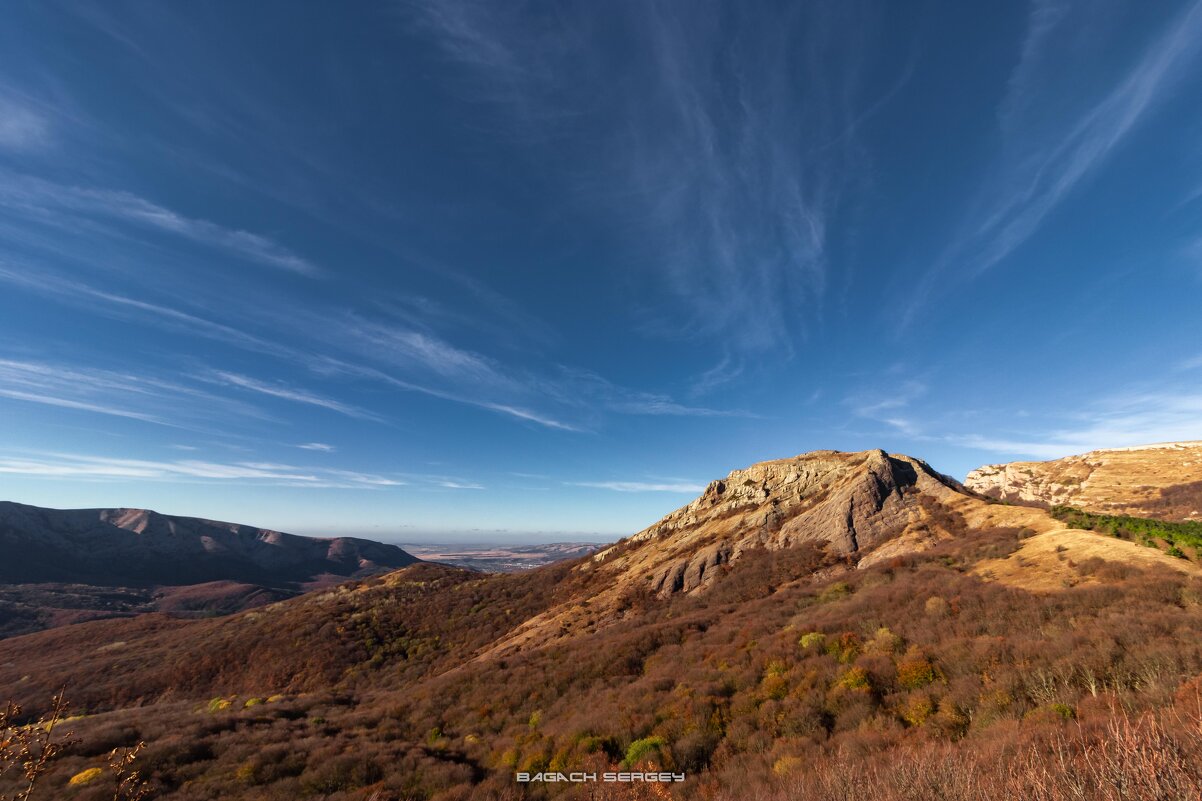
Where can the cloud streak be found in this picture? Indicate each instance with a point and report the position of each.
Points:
(21, 128)
(724, 158)
(640, 486)
(1136, 418)
(45, 201)
(116, 394)
(1042, 163)
(293, 394)
(69, 466)
(384, 352)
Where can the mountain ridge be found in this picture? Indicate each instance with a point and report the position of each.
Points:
(1161, 480)
(141, 547)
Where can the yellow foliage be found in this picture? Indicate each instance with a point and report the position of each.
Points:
(883, 642)
(775, 686)
(786, 765)
(814, 638)
(855, 678)
(937, 607)
(86, 776)
(218, 704)
(917, 709)
(246, 773)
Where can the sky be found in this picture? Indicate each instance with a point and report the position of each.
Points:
(448, 269)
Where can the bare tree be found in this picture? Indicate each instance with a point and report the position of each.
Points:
(31, 748)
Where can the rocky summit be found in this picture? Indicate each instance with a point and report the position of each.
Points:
(854, 502)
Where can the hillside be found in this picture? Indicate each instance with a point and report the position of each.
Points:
(1161, 481)
(833, 625)
(138, 548)
(59, 567)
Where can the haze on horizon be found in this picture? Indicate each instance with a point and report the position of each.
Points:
(447, 266)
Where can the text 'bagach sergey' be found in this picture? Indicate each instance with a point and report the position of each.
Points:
(581, 776)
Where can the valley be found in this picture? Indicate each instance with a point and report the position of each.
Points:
(500, 558)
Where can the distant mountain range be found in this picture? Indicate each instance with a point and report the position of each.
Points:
(139, 548)
(63, 566)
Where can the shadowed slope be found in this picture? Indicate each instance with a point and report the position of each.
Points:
(138, 547)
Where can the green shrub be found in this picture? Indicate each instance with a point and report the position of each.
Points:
(640, 749)
(834, 592)
(815, 639)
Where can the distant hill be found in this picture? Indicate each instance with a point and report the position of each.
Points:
(65, 566)
(1162, 481)
(140, 548)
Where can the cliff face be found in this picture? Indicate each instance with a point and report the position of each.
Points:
(853, 502)
(1162, 481)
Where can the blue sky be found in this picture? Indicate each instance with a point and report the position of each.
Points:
(425, 270)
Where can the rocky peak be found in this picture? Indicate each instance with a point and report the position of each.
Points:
(854, 502)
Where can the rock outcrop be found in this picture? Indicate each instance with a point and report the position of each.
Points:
(1162, 481)
(852, 502)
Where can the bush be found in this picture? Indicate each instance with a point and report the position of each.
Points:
(86, 776)
(641, 749)
(914, 672)
(815, 639)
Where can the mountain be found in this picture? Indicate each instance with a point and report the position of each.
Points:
(139, 548)
(1162, 481)
(866, 507)
(59, 567)
(826, 626)
(854, 502)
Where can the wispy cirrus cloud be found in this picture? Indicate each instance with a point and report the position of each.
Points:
(317, 446)
(565, 399)
(889, 404)
(276, 390)
(1050, 146)
(57, 204)
(123, 307)
(385, 352)
(725, 141)
(470, 375)
(456, 484)
(1133, 418)
(117, 394)
(641, 486)
(21, 127)
(71, 466)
